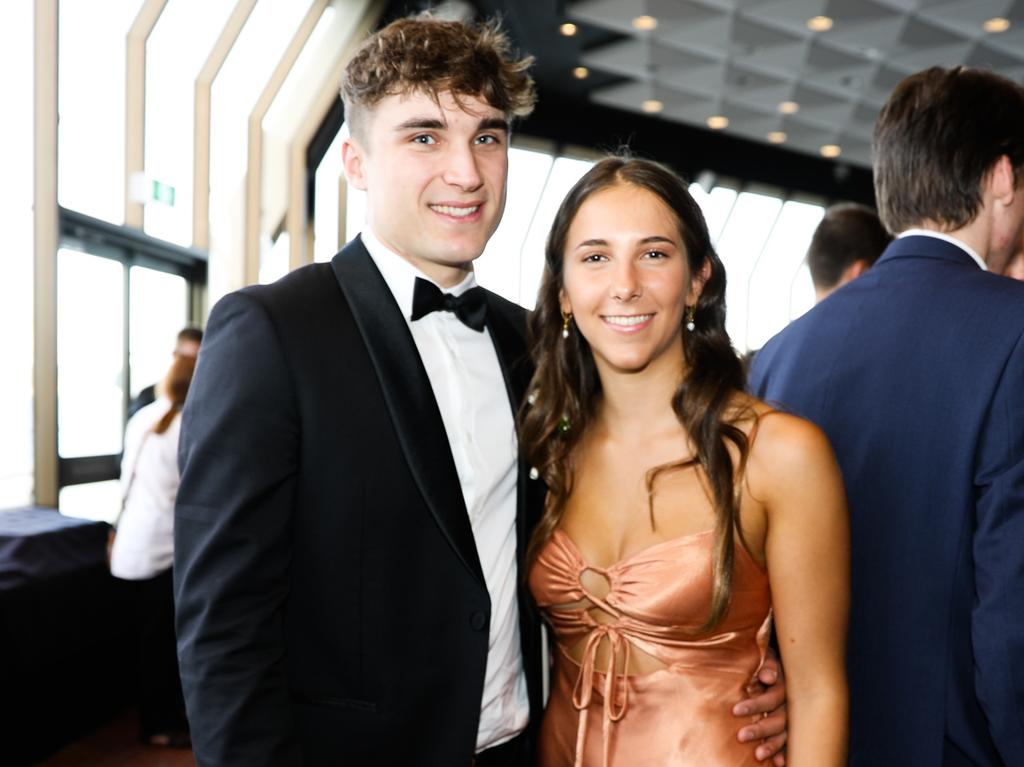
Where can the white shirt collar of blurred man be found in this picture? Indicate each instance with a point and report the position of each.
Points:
(948, 238)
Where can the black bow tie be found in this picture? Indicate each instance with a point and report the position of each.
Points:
(470, 307)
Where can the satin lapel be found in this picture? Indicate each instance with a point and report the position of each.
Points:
(409, 397)
(515, 367)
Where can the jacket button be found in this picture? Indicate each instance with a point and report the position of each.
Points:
(478, 620)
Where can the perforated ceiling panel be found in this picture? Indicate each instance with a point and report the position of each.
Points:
(749, 60)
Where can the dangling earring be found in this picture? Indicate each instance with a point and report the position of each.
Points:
(690, 312)
(566, 319)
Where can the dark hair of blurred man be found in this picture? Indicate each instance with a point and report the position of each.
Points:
(848, 240)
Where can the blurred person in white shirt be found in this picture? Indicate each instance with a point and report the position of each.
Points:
(143, 551)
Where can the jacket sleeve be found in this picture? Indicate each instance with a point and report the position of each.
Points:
(238, 457)
(997, 628)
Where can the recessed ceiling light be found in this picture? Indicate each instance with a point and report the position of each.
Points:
(568, 29)
(581, 73)
(819, 23)
(717, 122)
(789, 107)
(831, 150)
(645, 23)
(996, 25)
(652, 105)
(777, 137)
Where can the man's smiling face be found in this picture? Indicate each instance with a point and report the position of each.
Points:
(434, 173)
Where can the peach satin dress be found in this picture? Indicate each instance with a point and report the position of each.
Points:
(678, 715)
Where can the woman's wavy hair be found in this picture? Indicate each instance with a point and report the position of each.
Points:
(175, 388)
(565, 388)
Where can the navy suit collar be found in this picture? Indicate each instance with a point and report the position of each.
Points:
(916, 246)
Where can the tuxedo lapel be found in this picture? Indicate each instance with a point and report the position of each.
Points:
(409, 397)
(512, 356)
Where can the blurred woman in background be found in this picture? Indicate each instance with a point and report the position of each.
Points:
(143, 549)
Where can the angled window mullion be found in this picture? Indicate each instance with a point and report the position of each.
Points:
(296, 219)
(254, 170)
(201, 144)
(135, 105)
(753, 270)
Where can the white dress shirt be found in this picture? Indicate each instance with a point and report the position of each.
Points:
(948, 238)
(144, 546)
(465, 374)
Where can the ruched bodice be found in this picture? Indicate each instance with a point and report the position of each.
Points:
(678, 715)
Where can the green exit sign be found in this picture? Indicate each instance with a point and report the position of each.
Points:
(163, 193)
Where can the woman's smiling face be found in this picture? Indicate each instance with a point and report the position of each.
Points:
(626, 279)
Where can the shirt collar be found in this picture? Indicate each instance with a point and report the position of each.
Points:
(948, 238)
(400, 275)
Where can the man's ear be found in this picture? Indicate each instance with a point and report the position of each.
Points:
(1000, 181)
(353, 158)
(853, 271)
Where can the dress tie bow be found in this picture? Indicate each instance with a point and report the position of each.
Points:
(470, 307)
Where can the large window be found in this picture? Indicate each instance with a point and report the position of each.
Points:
(762, 239)
(159, 309)
(329, 187)
(16, 146)
(121, 300)
(91, 106)
(534, 206)
(175, 52)
(245, 73)
(90, 339)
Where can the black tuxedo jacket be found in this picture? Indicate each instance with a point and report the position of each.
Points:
(331, 605)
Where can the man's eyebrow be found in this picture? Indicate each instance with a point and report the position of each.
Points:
(421, 123)
(493, 123)
(432, 123)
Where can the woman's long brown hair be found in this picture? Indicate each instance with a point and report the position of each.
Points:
(565, 388)
(175, 388)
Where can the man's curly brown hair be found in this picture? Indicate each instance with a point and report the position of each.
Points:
(426, 54)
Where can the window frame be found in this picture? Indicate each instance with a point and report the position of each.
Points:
(130, 247)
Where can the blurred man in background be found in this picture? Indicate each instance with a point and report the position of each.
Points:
(848, 240)
(915, 371)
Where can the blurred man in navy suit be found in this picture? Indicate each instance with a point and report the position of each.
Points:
(915, 370)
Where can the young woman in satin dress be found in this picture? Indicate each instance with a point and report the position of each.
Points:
(683, 516)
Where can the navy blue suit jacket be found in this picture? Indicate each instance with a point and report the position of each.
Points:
(915, 371)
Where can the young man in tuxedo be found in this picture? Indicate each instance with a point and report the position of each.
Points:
(915, 371)
(353, 512)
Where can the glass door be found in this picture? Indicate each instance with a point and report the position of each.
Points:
(119, 310)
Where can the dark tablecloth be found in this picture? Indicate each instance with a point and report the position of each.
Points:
(38, 543)
(67, 657)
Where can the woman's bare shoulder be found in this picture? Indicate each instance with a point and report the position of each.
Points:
(782, 444)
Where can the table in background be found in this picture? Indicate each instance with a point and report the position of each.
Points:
(67, 662)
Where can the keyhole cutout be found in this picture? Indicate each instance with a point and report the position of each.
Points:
(598, 587)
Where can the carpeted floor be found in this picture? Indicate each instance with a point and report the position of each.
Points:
(116, 744)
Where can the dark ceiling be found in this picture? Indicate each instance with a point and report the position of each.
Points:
(566, 116)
